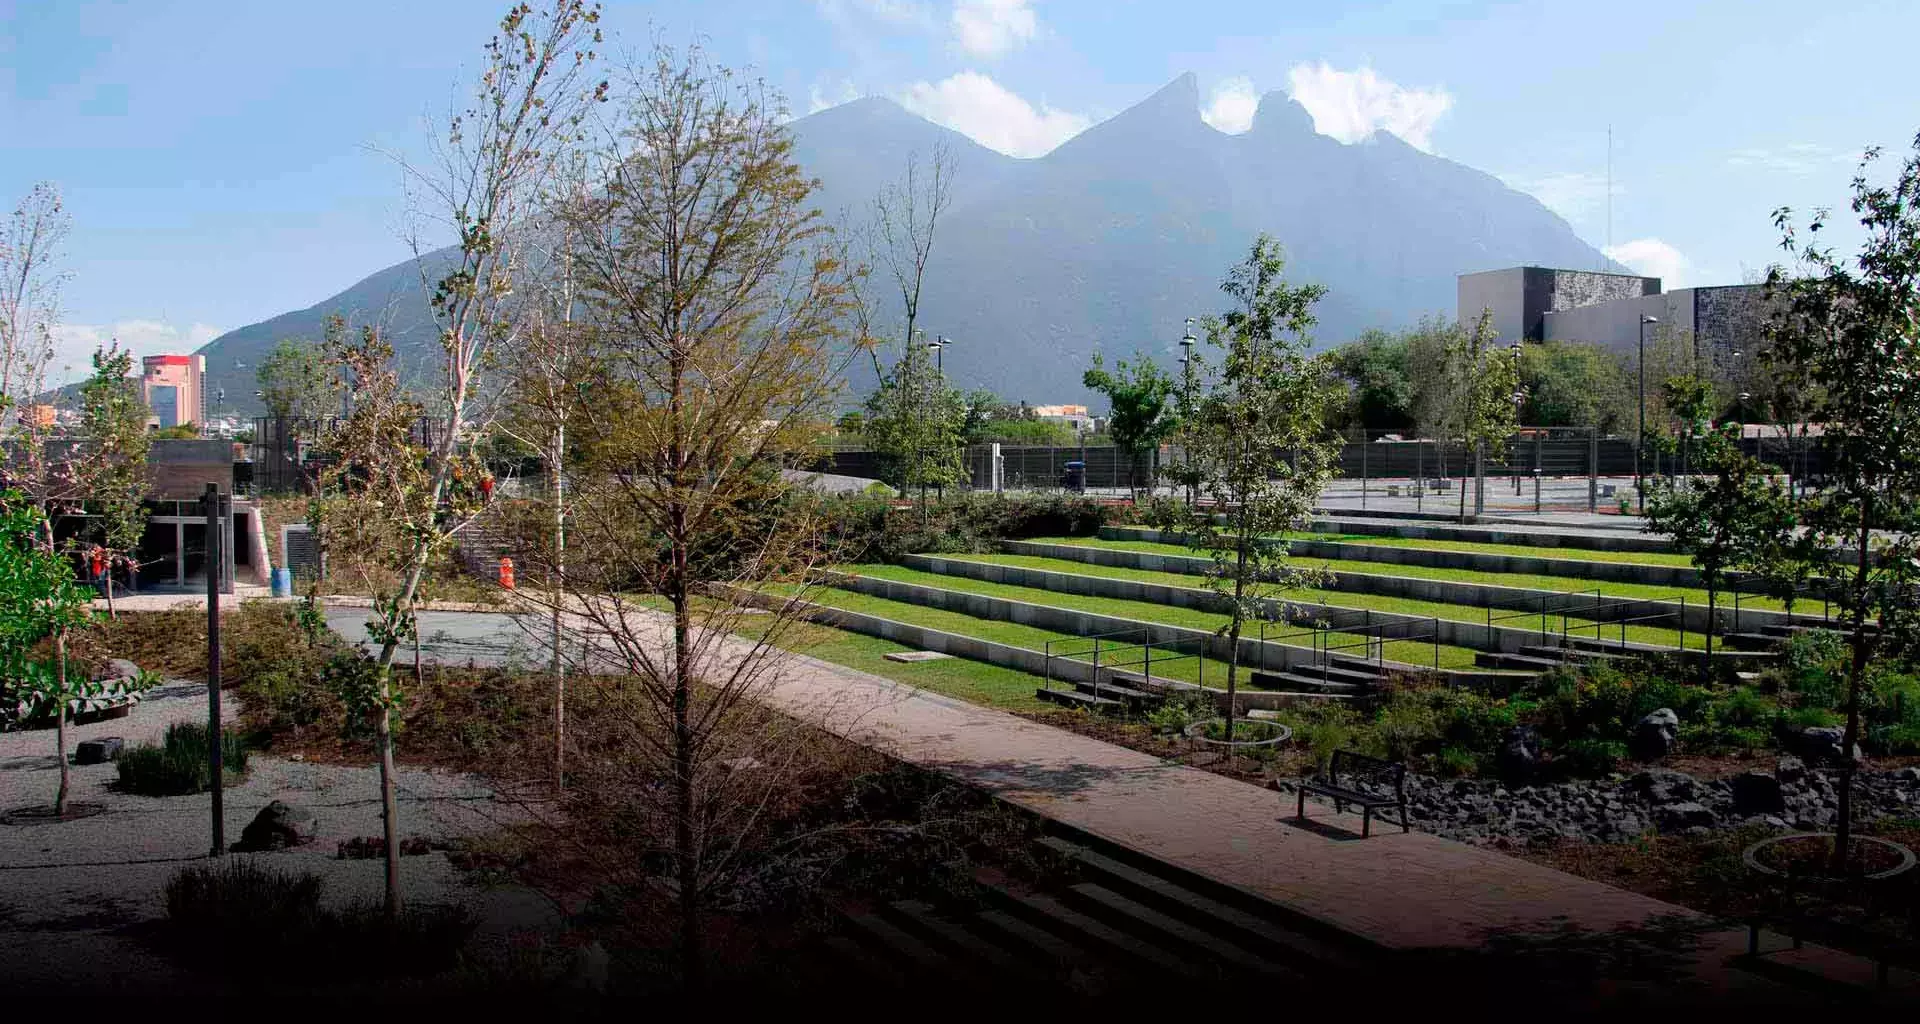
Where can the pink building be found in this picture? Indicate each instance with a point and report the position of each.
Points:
(172, 386)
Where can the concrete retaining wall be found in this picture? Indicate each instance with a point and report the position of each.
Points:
(1479, 595)
(1475, 636)
(1490, 534)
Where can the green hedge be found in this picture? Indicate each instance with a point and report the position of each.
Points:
(867, 529)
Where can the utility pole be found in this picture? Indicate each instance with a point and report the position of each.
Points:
(1640, 435)
(215, 756)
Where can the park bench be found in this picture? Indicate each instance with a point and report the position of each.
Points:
(1354, 778)
(1880, 947)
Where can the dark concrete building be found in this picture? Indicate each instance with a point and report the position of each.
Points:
(1543, 304)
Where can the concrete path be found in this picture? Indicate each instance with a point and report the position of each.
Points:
(1406, 892)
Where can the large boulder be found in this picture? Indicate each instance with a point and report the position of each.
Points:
(1683, 815)
(1655, 735)
(1820, 742)
(1660, 786)
(1519, 753)
(117, 668)
(278, 826)
(99, 750)
(1790, 770)
(1757, 793)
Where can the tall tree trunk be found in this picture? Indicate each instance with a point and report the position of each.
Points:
(60, 715)
(389, 809)
(1239, 595)
(557, 488)
(686, 848)
(1856, 674)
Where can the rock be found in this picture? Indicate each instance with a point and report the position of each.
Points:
(117, 668)
(1683, 815)
(277, 826)
(1655, 735)
(1908, 775)
(1660, 786)
(1819, 742)
(99, 750)
(1757, 793)
(1772, 821)
(1519, 753)
(1790, 770)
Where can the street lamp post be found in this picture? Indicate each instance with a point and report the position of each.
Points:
(939, 349)
(1187, 341)
(1519, 399)
(1640, 434)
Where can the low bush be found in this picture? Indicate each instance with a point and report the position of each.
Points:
(177, 765)
(279, 666)
(862, 529)
(247, 914)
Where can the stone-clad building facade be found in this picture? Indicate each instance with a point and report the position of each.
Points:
(1544, 304)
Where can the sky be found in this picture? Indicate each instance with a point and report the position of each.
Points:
(224, 162)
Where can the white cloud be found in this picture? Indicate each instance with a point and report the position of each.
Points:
(993, 28)
(1653, 258)
(74, 344)
(1350, 105)
(1231, 106)
(819, 98)
(1797, 159)
(986, 112)
(1575, 195)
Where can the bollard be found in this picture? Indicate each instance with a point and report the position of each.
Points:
(506, 573)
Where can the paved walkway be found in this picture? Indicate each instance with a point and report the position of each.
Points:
(1411, 891)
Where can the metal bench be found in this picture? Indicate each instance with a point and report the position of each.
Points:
(1343, 771)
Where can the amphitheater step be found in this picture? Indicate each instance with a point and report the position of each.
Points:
(923, 920)
(1119, 691)
(1308, 681)
(1494, 659)
(888, 939)
(1129, 916)
(1076, 699)
(1086, 932)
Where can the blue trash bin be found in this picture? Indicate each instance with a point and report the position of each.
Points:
(282, 582)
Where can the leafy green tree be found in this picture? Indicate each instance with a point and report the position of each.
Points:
(1847, 327)
(296, 381)
(1375, 365)
(1480, 379)
(1576, 384)
(113, 472)
(1258, 441)
(1137, 393)
(1738, 519)
(38, 599)
(916, 422)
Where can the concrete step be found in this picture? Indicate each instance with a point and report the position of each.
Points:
(1761, 641)
(1076, 699)
(924, 921)
(1247, 930)
(1194, 943)
(1333, 673)
(1492, 659)
(1120, 692)
(1606, 645)
(1557, 653)
(854, 956)
(1309, 681)
(1049, 950)
(886, 938)
(1082, 931)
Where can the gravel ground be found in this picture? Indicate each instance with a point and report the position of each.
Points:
(74, 894)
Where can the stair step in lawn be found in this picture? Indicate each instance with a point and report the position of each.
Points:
(1148, 923)
(1246, 930)
(1050, 949)
(1525, 662)
(923, 920)
(889, 939)
(1308, 680)
(1752, 641)
(1332, 673)
(1558, 653)
(1076, 699)
(858, 957)
(1103, 939)
(1119, 692)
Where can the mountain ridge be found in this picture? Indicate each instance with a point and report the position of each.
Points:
(1105, 243)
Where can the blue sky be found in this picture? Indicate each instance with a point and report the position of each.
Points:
(227, 161)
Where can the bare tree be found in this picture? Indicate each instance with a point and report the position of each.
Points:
(494, 159)
(906, 216)
(30, 283)
(717, 305)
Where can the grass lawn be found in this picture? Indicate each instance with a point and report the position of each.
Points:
(1558, 584)
(1665, 558)
(973, 681)
(1411, 652)
(1012, 634)
(1395, 605)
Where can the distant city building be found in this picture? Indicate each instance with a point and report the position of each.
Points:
(41, 415)
(1074, 416)
(173, 387)
(1544, 304)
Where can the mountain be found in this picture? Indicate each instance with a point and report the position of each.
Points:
(1109, 242)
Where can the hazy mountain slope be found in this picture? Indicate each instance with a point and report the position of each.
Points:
(1110, 241)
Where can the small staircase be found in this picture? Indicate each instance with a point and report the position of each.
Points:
(1127, 926)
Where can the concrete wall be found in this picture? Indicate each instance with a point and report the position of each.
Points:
(1616, 324)
(1504, 292)
(1521, 298)
(181, 470)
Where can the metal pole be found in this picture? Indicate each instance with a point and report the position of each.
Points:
(1593, 469)
(1536, 472)
(1363, 468)
(1419, 475)
(215, 758)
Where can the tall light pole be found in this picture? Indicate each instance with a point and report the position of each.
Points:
(939, 349)
(1187, 341)
(1640, 435)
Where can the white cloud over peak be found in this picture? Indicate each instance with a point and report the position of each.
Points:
(1653, 258)
(913, 14)
(988, 113)
(993, 28)
(1575, 195)
(1350, 105)
(1797, 159)
(821, 97)
(74, 344)
(1231, 106)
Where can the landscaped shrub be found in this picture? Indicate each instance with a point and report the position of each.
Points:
(863, 529)
(279, 667)
(1588, 757)
(178, 764)
(244, 913)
